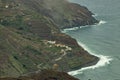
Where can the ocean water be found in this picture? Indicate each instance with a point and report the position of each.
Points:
(102, 40)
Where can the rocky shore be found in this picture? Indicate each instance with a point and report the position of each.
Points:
(31, 38)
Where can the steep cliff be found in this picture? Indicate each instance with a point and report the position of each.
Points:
(31, 40)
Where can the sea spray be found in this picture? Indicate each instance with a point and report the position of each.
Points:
(102, 62)
(100, 23)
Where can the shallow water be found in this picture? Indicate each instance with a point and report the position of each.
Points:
(102, 40)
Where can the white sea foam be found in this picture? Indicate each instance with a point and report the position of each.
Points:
(74, 28)
(102, 62)
(100, 23)
(70, 29)
(84, 26)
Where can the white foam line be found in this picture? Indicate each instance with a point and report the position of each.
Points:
(100, 23)
(74, 28)
(70, 29)
(102, 62)
(84, 26)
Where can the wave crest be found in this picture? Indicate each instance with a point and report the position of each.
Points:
(100, 23)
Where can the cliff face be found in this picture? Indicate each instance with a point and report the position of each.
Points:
(30, 37)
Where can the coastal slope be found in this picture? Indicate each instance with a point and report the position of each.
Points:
(44, 75)
(31, 38)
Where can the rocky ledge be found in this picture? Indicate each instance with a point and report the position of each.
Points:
(31, 38)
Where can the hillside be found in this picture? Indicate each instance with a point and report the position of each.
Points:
(44, 75)
(31, 38)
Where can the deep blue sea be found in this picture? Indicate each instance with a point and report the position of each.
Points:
(102, 40)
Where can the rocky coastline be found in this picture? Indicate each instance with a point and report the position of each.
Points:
(31, 38)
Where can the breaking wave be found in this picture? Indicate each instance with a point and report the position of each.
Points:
(100, 23)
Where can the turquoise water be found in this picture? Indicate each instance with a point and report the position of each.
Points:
(102, 40)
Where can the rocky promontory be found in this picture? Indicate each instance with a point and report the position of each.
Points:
(31, 38)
